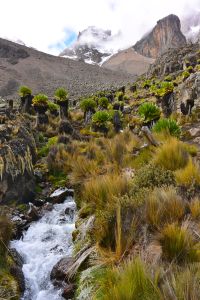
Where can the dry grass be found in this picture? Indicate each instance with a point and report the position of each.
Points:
(100, 191)
(188, 176)
(172, 155)
(164, 206)
(178, 243)
(195, 208)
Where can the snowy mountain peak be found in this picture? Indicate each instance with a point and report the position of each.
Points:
(93, 45)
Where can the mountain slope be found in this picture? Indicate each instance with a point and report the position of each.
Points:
(44, 73)
(128, 61)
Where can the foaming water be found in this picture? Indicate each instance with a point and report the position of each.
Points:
(42, 246)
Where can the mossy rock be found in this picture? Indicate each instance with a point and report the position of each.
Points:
(8, 286)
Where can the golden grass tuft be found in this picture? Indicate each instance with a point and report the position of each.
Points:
(164, 206)
(190, 175)
(172, 155)
(100, 191)
(195, 208)
(178, 244)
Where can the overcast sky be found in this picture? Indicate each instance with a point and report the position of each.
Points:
(50, 25)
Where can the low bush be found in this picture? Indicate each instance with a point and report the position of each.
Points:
(88, 104)
(103, 102)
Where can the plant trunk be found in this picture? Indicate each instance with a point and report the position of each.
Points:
(64, 110)
(26, 103)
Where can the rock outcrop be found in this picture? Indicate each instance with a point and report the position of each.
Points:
(17, 154)
(166, 34)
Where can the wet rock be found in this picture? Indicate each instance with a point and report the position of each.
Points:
(59, 271)
(61, 194)
(33, 214)
(16, 269)
(69, 291)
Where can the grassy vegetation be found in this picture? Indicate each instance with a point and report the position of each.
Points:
(143, 199)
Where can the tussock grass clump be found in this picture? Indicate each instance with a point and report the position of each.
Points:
(188, 176)
(195, 208)
(184, 283)
(172, 155)
(178, 244)
(100, 191)
(83, 168)
(163, 206)
(130, 282)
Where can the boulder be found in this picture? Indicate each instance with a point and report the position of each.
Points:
(59, 271)
(60, 195)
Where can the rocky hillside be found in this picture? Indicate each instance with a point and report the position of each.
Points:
(129, 61)
(166, 34)
(93, 46)
(22, 65)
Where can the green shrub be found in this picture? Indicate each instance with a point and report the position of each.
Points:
(45, 149)
(151, 176)
(52, 107)
(168, 126)
(88, 104)
(164, 89)
(40, 100)
(168, 78)
(146, 84)
(185, 74)
(119, 96)
(100, 118)
(103, 102)
(24, 91)
(61, 95)
(149, 111)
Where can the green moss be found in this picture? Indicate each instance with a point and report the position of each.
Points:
(58, 179)
(43, 152)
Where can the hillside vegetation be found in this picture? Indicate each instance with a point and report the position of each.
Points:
(132, 156)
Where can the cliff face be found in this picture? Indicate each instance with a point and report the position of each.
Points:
(166, 34)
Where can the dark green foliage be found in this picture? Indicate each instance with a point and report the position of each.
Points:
(61, 95)
(151, 176)
(165, 88)
(146, 84)
(52, 107)
(119, 96)
(24, 91)
(88, 104)
(185, 75)
(103, 102)
(169, 126)
(40, 100)
(45, 149)
(100, 118)
(149, 111)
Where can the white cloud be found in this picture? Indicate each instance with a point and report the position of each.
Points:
(43, 23)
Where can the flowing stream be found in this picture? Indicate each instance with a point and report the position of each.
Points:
(42, 246)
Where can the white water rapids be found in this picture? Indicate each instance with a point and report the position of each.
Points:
(42, 246)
